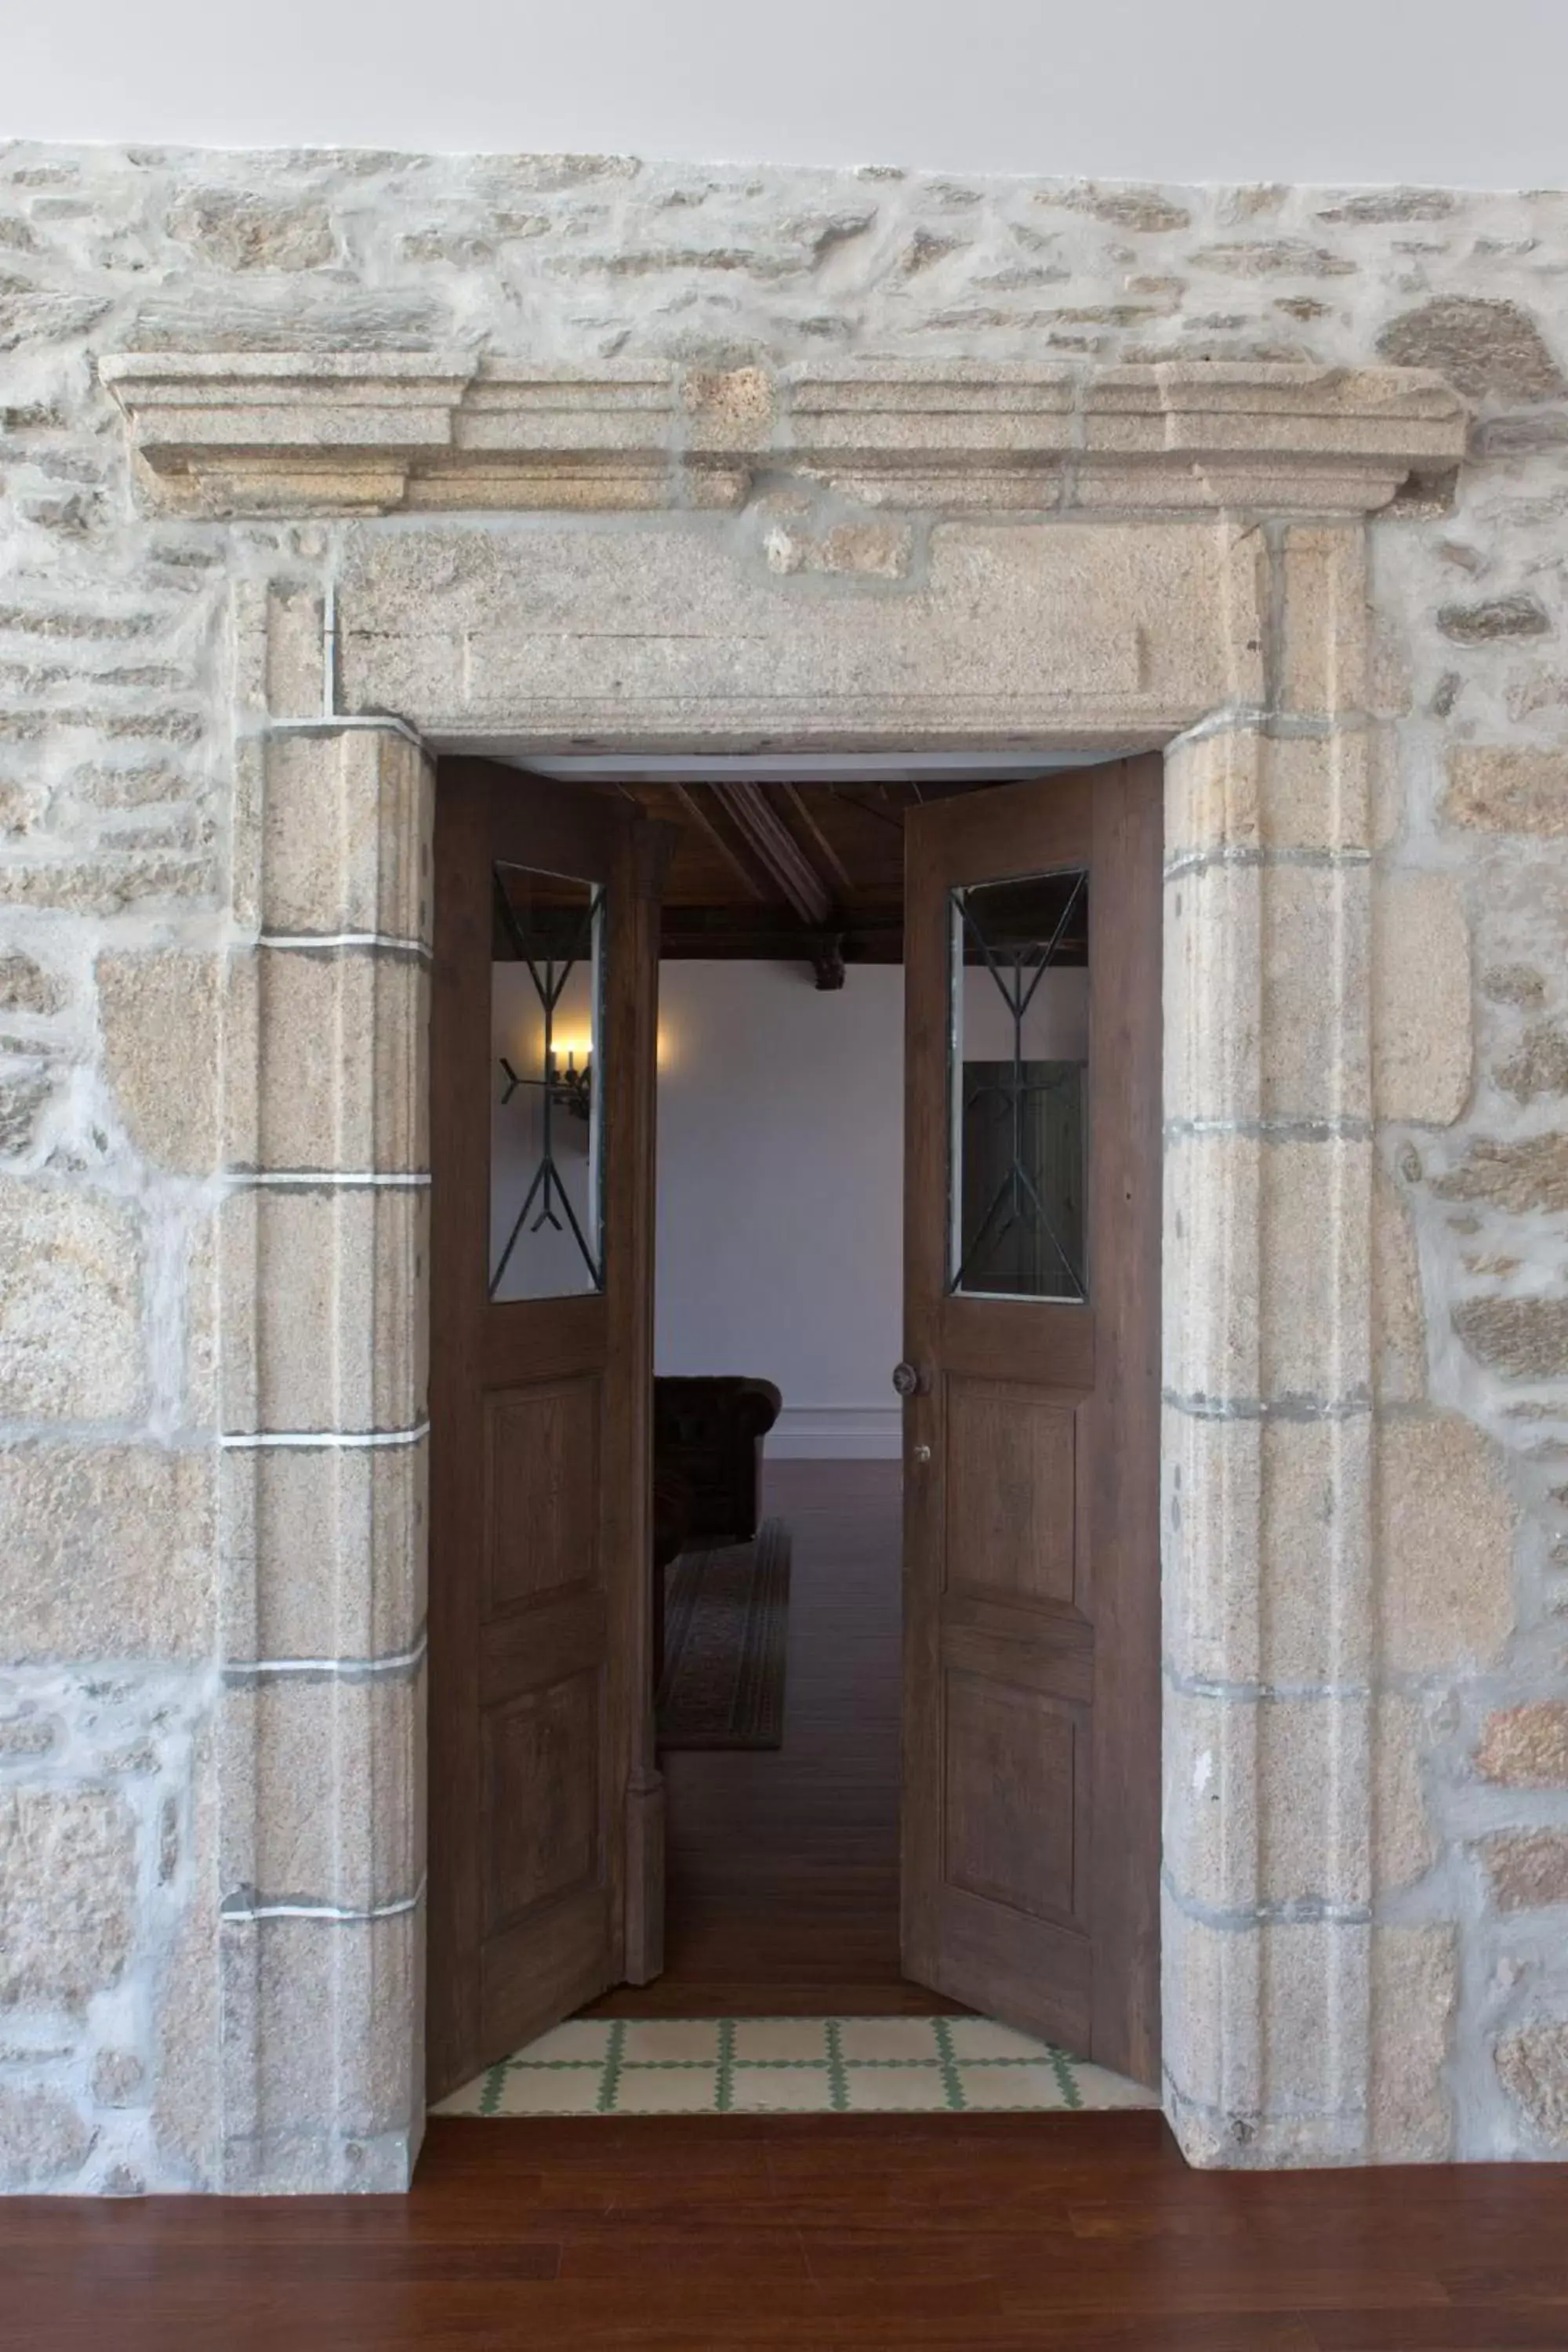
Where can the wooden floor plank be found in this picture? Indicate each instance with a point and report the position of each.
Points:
(1500, 2326)
(966, 2234)
(929, 2233)
(783, 1867)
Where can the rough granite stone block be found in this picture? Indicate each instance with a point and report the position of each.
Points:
(1446, 1528)
(1255, 1812)
(323, 2040)
(1526, 1746)
(44, 2140)
(337, 1335)
(344, 835)
(1421, 998)
(339, 1078)
(1503, 788)
(1323, 658)
(159, 1015)
(324, 1787)
(67, 1894)
(1415, 1989)
(1526, 1868)
(553, 632)
(1405, 1845)
(1399, 1324)
(323, 1552)
(106, 1551)
(1533, 2067)
(1240, 789)
(72, 1339)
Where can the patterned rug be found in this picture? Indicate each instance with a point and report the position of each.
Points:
(790, 2065)
(726, 1628)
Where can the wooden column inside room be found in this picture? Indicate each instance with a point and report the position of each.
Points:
(1031, 1722)
(546, 1862)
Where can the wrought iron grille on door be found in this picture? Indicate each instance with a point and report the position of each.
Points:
(546, 1129)
(1019, 1015)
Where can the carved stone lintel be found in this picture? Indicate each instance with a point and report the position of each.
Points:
(266, 433)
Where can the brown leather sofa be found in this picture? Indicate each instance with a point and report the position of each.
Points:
(708, 1438)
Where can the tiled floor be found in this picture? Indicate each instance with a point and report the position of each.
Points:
(787, 2065)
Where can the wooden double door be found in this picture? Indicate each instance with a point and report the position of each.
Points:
(1030, 1837)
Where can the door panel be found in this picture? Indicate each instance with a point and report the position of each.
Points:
(1031, 1709)
(541, 1773)
(541, 1456)
(1011, 1795)
(543, 1798)
(1010, 1486)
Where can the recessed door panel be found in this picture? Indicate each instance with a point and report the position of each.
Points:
(1012, 1522)
(1011, 1797)
(541, 1779)
(541, 1459)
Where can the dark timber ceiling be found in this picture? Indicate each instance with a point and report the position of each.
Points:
(805, 870)
(781, 870)
(811, 872)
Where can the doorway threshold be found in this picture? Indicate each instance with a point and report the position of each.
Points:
(790, 2065)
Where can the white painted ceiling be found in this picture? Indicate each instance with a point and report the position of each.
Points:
(1328, 91)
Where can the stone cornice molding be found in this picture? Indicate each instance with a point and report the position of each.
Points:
(366, 433)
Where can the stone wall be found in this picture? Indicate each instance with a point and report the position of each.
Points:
(127, 647)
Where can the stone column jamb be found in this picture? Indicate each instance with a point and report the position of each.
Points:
(323, 1318)
(1268, 1526)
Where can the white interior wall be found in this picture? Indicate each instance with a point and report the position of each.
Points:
(781, 1192)
(1055, 1026)
(781, 1170)
(1346, 90)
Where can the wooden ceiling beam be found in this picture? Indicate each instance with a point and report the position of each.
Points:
(774, 935)
(688, 798)
(796, 801)
(765, 834)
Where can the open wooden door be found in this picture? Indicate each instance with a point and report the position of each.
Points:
(1031, 1262)
(546, 1862)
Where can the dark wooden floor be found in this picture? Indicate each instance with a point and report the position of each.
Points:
(970, 2233)
(783, 1878)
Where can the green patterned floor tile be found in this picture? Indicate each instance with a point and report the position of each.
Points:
(794, 2065)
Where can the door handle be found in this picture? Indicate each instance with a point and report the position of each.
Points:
(909, 1382)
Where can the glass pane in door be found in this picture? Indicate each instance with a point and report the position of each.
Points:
(546, 1236)
(1020, 1064)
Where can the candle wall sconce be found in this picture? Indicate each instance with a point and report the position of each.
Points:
(570, 1089)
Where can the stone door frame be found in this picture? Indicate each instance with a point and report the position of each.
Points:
(511, 559)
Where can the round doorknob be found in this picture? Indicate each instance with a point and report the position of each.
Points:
(908, 1381)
